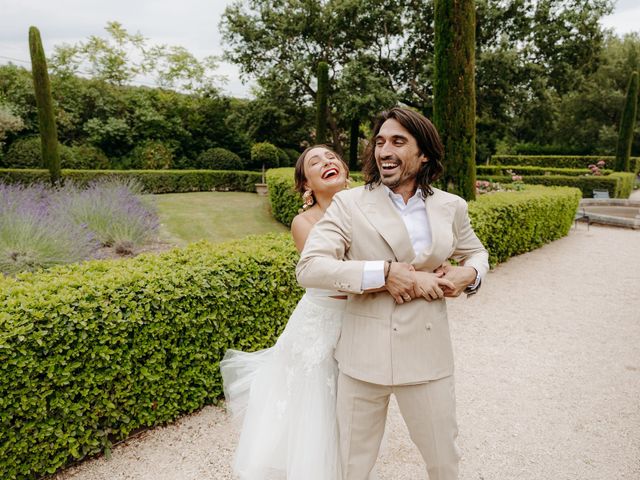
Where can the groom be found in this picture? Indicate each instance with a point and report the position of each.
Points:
(385, 244)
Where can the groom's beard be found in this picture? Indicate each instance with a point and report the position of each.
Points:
(404, 175)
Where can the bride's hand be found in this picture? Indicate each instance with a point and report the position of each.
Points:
(432, 286)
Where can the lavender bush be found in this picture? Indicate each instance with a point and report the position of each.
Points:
(41, 227)
(113, 210)
(31, 237)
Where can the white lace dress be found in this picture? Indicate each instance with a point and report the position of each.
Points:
(285, 397)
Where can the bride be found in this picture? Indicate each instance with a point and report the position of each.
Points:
(286, 394)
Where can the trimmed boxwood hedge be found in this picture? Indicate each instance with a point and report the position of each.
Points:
(560, 161)
(528, 170)
(91, 352)
(511, 223)
(508, 223)
(618, 184)
(153, 181)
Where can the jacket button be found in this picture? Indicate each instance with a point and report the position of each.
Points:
(428, 326)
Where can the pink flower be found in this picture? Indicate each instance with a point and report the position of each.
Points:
(601, 163)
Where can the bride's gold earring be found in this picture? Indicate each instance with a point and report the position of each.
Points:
(307, 198)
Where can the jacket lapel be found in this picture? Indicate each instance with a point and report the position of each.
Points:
(380, 212)
(441, 212)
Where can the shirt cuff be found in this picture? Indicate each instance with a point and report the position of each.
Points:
(373, 275)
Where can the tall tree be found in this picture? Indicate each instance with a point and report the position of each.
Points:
(122, 57)
(289, 37)
(528, 54)
(321, 102)
(454, 104)
(46, 117)
(627, 125)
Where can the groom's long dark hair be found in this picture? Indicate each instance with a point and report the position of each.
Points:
(428, 140)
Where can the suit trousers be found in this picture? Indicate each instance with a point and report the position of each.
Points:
(428, 410)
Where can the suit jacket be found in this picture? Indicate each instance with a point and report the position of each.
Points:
(382, 342)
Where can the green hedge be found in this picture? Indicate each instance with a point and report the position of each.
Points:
(285, 201)
(508, 223)
(511, 223)
(91, 352)
(619, 184)
(153, 181)
(528, 170)
(219, 159)
(559, 161)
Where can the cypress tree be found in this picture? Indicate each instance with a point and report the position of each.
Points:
(454, 102)
(353, 144)
(321, 102)
(627, 125)
(46, 118)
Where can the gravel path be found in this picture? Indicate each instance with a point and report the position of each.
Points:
(547, 375)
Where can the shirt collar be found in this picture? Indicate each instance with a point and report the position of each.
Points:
(398, 200)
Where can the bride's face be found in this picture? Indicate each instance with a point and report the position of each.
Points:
(324, 171)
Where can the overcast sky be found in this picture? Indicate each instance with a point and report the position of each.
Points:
(192, 24)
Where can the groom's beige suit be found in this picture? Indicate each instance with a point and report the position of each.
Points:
(384, 347)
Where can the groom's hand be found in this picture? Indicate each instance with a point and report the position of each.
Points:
(400, 282)
(432, 286)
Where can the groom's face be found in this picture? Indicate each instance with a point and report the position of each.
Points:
(398, 157)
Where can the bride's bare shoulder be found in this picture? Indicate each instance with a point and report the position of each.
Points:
(301, 226)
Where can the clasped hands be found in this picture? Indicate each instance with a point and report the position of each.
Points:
(405, 283)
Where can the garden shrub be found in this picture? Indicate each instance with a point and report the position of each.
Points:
(26, 152)
(152, 181)
(284, 159)
(536, 149)
(152, 155)
(533, 170)
(42, 226)
(293, 155)
(91, 352)
(558, 161)
(285, 201)
(86, 157)
(264, 154)
(112, 209)
(511, 223)
(624, 188)
(619, 185)
(219, 159)
(31, 238)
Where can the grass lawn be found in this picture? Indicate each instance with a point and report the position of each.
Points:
(213, 216)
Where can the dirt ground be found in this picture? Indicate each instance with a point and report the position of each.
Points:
(547, 379)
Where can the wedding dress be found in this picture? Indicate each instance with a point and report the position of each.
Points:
(285, 397)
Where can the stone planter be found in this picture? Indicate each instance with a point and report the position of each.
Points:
(261, 189)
